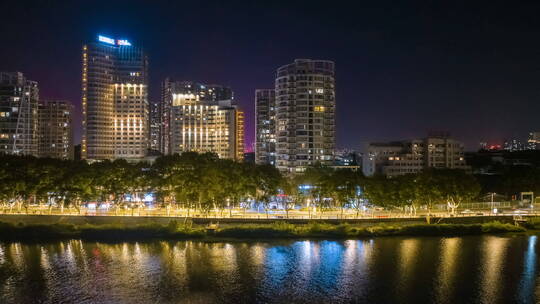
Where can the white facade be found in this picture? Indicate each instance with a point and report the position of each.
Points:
(398, 158)
(305, 114)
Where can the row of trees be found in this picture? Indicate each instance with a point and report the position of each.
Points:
(193, 181)
(203, 182)
(427, 188)
(348, 189)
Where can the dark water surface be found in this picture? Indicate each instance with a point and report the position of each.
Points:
(487, 269)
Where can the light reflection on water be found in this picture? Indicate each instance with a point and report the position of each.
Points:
(529, 272)
(387, 270)
(446, 273)
(494, 251)
(408, 258)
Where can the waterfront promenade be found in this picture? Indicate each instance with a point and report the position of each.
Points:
(95, 219)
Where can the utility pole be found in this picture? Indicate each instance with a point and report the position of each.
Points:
(492, 196)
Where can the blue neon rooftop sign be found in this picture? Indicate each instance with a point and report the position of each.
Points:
(106, 39)
(111, 41)
(123, 42)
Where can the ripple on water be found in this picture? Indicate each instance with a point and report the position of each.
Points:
(484, 269)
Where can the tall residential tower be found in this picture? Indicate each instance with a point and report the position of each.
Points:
(305, 114)
(114, 100)
(265, 126)
(18, 114)
(56, 129)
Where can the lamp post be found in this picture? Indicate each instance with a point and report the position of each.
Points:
(308, 201)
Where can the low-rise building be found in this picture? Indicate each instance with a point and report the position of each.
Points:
(346, 157)
(412, 156)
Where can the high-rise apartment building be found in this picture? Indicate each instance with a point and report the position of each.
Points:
(155, 125)
(201, 118)
(114, 100)
(56, 129)
(240, 133)
(412, 156)
(265, 126)
(305, 114)
(18, 114)
(170, 89)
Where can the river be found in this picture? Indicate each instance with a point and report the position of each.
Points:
(476, 269)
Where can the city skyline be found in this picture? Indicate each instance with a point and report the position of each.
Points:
(398, 66)
(269, 151)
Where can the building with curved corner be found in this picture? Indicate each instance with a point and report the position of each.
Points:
(305, 114)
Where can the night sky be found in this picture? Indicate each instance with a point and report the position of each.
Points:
(470, 68)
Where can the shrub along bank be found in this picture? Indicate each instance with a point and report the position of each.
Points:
(175, 230)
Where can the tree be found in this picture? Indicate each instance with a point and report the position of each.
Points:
(292, 195)
(517, 179)
(77, 185)
(318, 179)
(267, 182)
(344, 187)
(458, 187)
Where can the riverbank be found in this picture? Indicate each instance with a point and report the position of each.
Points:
(132, 221)
(281, 230)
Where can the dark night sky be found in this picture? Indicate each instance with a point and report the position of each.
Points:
(471, 68)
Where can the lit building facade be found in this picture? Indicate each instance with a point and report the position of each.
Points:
(413, 156)
(205, 94)
(201, 118)
(18, 114)
(154, 126)
(265, 126)
(114, 100)
(305, 114)
(346, 157)
(240, 133)
(56, 129)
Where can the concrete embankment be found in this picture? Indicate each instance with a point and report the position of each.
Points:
(161, 220)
